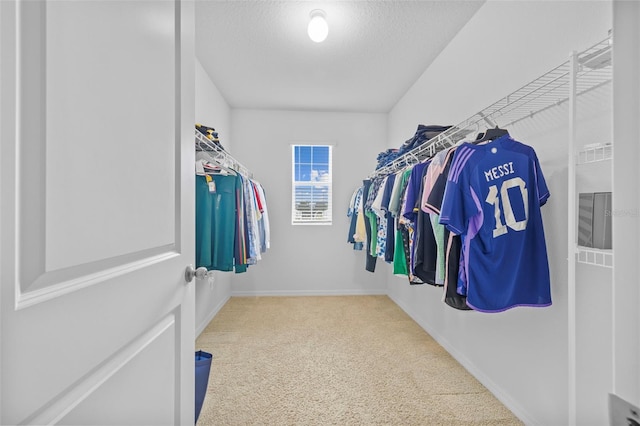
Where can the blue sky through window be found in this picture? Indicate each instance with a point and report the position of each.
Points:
(311, 163)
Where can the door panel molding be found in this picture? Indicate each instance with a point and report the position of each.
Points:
(66, 401)
(35, 283)
(54, 284)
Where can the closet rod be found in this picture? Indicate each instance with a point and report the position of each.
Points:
(547, 91)
(215, 152)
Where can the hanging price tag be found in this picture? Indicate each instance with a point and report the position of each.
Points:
(211, 183)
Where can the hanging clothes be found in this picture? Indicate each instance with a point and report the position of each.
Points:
(424, 248)
(468, 219)
(492, 200)
(371, 215)
(454, 293)
(401, 247)
(410, 214)
(265, 237)
(388, 217)
(370, 262)
(215, 221)
(241, 239)
(435, 168)
(232, 221)
(376, 208)
(357, 234)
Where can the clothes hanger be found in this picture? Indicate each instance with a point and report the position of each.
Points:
(490, 134)
(219, 169)
(413, 157)
(214, 164)
(223, 162)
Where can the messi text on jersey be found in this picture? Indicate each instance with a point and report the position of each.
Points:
(499, 171)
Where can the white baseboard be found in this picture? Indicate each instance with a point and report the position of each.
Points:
(517, 409)
(200, 328)
(355, 292)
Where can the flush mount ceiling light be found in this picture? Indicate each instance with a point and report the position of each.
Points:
(318, 28)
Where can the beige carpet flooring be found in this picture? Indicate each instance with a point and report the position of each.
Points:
(352, 360)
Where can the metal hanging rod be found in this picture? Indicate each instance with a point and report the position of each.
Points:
(217, 154)
(545, 92)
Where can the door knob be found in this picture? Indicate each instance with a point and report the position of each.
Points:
(199, 273)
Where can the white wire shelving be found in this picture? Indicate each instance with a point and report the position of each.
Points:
(594, 256)
(217, 154)
(595, 154)
(588, 70)
(547, 91)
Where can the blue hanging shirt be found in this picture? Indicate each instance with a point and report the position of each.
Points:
(492, 200)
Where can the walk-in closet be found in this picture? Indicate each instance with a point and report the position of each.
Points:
(352, 212)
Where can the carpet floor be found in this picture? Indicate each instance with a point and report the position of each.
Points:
(344, 360)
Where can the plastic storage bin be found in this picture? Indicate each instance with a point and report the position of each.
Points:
(203, 368)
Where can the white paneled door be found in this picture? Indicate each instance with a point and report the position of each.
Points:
(96, 213)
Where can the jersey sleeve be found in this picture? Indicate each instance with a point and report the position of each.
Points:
(458, 204)
(452, 213)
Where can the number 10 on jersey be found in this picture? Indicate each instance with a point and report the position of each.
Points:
(496, 198)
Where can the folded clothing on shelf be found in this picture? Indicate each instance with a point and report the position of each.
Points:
(422, 135)
(210, 133)
(386, 157)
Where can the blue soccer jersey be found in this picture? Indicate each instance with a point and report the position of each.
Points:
(492, 199)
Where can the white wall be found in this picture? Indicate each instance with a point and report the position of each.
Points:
(308, 260)
(626, 200)
(211, 110)
(521, 355)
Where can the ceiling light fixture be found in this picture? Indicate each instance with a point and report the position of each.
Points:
(318, 28)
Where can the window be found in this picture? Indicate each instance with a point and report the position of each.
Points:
(311, 185)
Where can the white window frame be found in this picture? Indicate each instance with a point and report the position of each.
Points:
(311, 216)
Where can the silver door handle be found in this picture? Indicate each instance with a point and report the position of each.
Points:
(199, 273)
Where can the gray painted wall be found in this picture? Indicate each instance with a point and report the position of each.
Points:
(303, 259)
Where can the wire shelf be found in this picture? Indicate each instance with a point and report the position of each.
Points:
(547, 91)
(595, 154)
(216, 154)
(593, 256)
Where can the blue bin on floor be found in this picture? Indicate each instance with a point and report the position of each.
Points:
(203, 367)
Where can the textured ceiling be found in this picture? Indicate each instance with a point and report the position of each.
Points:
(258, 53)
